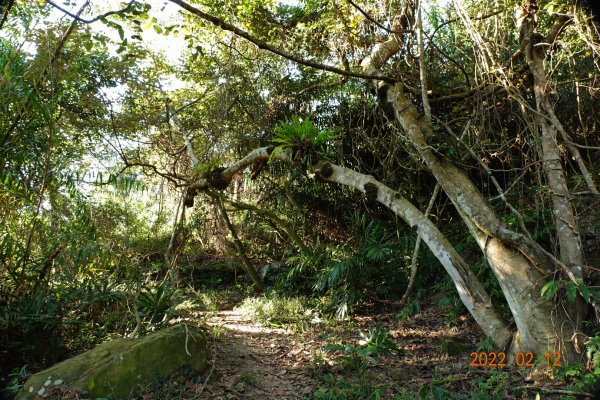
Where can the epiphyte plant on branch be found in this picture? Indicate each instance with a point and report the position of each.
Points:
(306, 142)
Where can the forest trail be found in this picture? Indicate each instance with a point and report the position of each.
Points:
(255, 362)
(271, 363)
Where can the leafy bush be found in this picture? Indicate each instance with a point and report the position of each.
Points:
(278, 311)
(372, 263)
(375, 342)
(353, 358)
(339, 389)
(493, 388)
(378, 340)
(155, 304)
(583, 378)
(412, 308)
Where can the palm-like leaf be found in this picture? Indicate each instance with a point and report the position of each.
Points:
(302, 135)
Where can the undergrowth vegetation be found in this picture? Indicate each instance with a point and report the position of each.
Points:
(276, 311)
(138, 192)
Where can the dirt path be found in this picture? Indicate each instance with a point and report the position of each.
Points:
(255, 362)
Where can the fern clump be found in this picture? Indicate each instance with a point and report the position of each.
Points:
(306, 142)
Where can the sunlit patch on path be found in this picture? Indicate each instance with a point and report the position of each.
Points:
(255, 362)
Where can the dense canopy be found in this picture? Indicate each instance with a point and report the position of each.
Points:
(349, 156)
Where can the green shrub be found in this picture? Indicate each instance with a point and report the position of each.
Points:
(339, 389)
(306, 142)
(492, 388)
(278, 311)
(378, 340)
(155, 305)
(372, 263)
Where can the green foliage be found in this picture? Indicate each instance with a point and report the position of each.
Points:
(556, 288)
(486, 345)
(372, 263)
(432, 391)
(376, 264)
(155, 305)
(278, 311)
(412, 308)
(582, 378)
(353, 358)
(454, 346)
(378, 340)
(303, 139)
(450, 301)
(15, 379)
(40, 326)
(339, 389)
(494, 387)
(72, 255)
(210, 299)
(593, 353)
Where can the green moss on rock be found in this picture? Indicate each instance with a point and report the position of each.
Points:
(121, 367)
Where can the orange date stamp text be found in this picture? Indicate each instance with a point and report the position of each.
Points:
(494, 359)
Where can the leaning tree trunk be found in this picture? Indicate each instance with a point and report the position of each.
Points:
(247, 265)
(541, 327)
(176, 244)
(277, 220)
(519, 263)
(470, 290)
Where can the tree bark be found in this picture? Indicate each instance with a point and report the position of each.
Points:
(176, 244)
(566, 225)
(567, 231)
(540, 326)
(247, 265)
(470, 290)
(414, 266)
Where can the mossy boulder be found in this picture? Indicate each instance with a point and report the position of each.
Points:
(118, 368)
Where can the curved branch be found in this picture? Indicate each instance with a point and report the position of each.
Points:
(226, 175)
(472, 293)
(179, 181)
(367, 16)
(89, 21)
(246, 264)
(265, 46)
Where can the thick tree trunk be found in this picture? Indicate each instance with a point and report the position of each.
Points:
(567, 231)
(469, 288)
(541, 327)
(566, 225)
